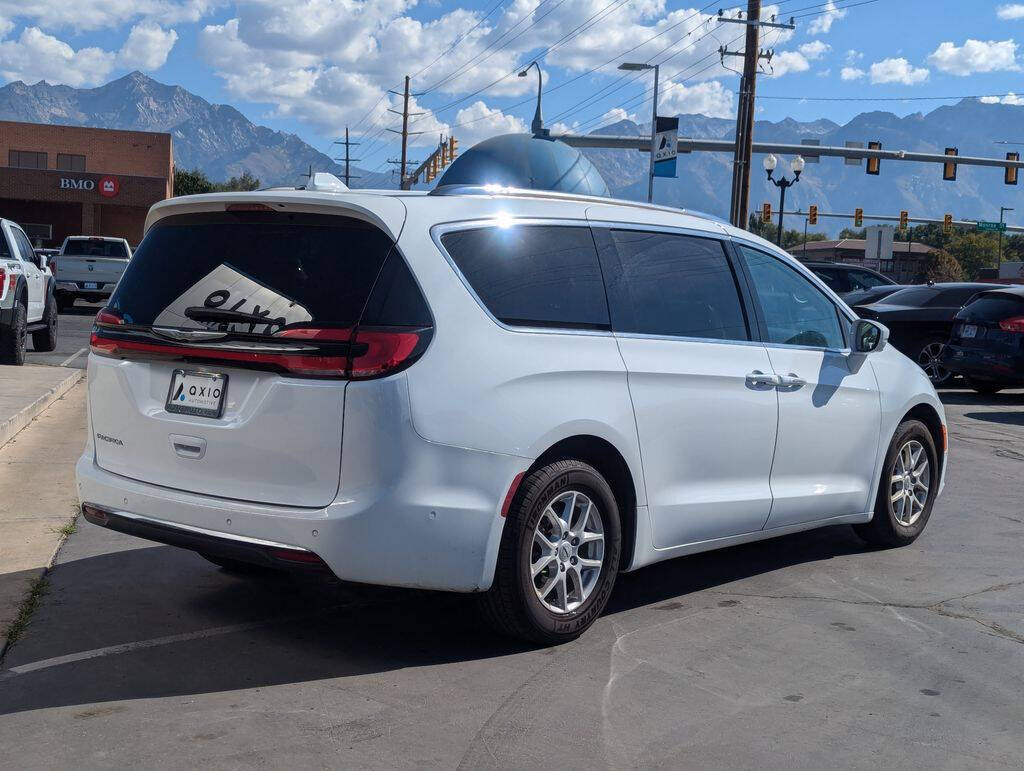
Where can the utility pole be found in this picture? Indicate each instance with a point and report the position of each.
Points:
(404, 181)
(740, 197)
(348, 159)
(999, 258)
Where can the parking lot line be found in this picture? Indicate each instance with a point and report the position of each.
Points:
(73, 356)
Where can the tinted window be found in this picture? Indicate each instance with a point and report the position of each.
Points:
(24, 246)
(5, 250)
(26, 159)
(667, 284)
(994, 306)
(96, 248)
(862, 279)
(795, 311)
(533, 275)
(915, 297)
(70, 162)
(830, 278)
(289, 268)
(953, 298)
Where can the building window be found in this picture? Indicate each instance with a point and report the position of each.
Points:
(26, 159)
(69, 162)
(37, 232)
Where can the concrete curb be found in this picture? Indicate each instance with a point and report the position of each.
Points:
(10, 427)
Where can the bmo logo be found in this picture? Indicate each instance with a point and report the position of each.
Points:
(107, 186)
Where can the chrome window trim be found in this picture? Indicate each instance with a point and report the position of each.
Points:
(443, 228)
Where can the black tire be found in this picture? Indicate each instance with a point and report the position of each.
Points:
(927, 358)
(238, 566)
(45, 340)
(64, 301)
(13, 337)
(512, 606)
(885, 529)
(985, 386)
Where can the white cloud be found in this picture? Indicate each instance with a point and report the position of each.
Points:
(617, 114)
(481, 121)
(708, 98)
(897, 70)
(853, 56)
(785, 62)
(102, 14)
(815, 49)
(823, 23)
(1010, 98)
(851, 73)
(36, 55)
(147, 46)
(1010, 11)
(975, 56)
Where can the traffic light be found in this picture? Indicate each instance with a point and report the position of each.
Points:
(453, 148)
(903, 219)
(766, 212)
(947, 224)
(1010, 175)
(812, 215)
(949, 168)
(858, 217)
(444, 153)
(431, 168)
(874, 164)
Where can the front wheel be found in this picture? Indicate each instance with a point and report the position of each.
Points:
(559, 555)
(928, 359)
(12, 339)
(906, 493)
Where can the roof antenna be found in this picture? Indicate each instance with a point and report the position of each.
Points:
(537, 127)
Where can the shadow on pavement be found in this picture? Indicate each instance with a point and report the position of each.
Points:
(970, 398)
(294, 629)
(1010, 418)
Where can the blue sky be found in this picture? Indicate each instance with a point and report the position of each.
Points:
(314, 66)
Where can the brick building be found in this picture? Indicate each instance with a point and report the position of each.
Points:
(68, 180)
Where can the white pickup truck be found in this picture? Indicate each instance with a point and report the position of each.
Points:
(89, 267)
(27, 305)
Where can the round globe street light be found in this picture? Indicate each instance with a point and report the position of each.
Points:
(770, 163)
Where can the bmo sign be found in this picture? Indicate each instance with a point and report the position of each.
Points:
(107, 186)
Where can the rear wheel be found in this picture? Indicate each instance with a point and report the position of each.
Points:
(910, 480)
(559, 555)
(928, 360)
(12, 338)
(985, 386)
(46, 339)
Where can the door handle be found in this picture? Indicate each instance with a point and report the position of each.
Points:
(757, 377)
(791, 381)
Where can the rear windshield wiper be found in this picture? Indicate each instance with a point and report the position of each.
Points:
(228, 316)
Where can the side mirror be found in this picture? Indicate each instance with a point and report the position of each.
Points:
(39, 260)
(869, 336)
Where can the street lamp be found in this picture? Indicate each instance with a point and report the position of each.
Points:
(637, 67)
(770, 162)
(537, 127)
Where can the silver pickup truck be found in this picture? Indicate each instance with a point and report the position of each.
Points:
(88, 267)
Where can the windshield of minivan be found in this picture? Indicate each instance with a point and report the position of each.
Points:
(98, 247)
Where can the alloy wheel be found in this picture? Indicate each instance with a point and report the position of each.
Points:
(909, 483)
(567, 552)
(928, 360)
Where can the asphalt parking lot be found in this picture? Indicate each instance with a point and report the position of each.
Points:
(73, 328)
(809, 651)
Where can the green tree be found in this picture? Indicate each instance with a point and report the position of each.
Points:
(853, 233)
(974, 251)
(245, 182)
(191, 182)
(790, 237)
(942, 266)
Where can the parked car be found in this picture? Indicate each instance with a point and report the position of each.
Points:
(987, 345)
(538, 392)
(27, 306)
(872, 295)
(920, 320)
(89, 267)
(844, 279)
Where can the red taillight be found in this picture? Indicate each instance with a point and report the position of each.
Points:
(317, 335)
(386, 351)
(507, 504)
(107, 316)
(297, 556)
(1013, 324)
(248, 207)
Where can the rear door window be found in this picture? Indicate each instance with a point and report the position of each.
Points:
(673, 285)
(533, 275)
(98, 247)
(862, 279)
(283, 269)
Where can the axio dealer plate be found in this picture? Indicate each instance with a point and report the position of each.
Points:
(197, 393)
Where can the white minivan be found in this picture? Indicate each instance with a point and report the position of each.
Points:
(515, 393)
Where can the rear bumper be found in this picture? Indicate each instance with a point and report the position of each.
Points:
(218, 544)
(71, 287)
(983, 364)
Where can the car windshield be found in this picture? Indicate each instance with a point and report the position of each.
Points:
(96, 247)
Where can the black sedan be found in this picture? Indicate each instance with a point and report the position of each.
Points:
(920, 321)
(987, 345)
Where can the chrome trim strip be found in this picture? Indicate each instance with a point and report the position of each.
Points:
(197, 530)
(188, 334)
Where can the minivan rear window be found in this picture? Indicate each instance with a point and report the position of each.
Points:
(98, 247)
(310, 270)
(533, 275)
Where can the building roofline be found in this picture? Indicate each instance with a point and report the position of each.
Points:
(86, 128)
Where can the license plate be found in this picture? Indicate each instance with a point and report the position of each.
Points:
(89, 285)
(197, 393)
(969, 331)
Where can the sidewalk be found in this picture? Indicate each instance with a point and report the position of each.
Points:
(26, 391)
(37, 497)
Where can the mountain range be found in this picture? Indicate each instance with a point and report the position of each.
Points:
(222, 142)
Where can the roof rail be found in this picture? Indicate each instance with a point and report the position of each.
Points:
(519, 192)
